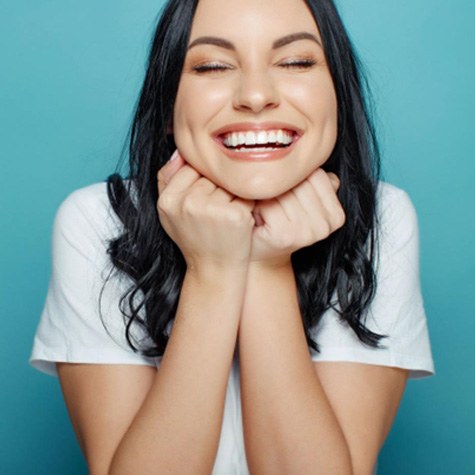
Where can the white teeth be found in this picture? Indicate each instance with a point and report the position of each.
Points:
(251, 138)
(262, 137)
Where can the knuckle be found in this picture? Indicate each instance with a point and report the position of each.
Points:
(335, 180)
(321, 174)
(340, 218)
(309, 238)
(204, 183)
(325, 229)
(238, 216)
(285, 240)
(165, 203)
(316, 177)
(189, 205)
(162, 177)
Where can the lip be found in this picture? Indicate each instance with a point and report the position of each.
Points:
(256, 127)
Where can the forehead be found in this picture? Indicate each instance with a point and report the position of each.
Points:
(247, 20)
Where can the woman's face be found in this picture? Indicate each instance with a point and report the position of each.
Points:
(256, 110)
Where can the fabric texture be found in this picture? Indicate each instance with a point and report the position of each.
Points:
(82, 323)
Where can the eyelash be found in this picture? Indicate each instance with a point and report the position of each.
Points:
(299, 64)
(210, 67)
(219, 67)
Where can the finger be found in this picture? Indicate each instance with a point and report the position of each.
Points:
(272, 214)
(183, 179)
(166, 173)
(308, 214)
(247, 204)
(308, 199)
(291, 206)
(203, 185)
(335, 181)
(324, 187)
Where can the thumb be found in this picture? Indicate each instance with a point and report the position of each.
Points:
(167, 172)
(334, 180)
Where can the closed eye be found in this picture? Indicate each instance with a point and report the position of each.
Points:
(298, 64)
(210, 67)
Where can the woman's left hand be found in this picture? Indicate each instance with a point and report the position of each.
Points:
(308, 213)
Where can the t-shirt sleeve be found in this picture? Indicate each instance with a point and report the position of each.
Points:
(397, 309)
(81, 320)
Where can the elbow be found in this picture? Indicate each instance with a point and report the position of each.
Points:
(363, 465)
(362, 468)
(313, 461)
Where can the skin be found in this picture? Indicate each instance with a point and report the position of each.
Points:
(237, 224)
(256, 84)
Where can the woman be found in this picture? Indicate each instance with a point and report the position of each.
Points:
(181, 311)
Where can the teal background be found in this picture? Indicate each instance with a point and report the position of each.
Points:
(70, 73)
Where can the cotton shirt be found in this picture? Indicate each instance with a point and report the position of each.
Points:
(71, 329)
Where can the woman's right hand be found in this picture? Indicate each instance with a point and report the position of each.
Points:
(208, 224)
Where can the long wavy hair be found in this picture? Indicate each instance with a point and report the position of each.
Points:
(337, 273)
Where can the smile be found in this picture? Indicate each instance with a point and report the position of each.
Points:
(261, 140)
(257, 142)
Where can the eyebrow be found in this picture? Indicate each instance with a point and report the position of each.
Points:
(284, 41)
(279, 43)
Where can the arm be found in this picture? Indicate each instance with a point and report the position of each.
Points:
(299, 416)
(365, 399)
(182, 413)
(138, 420)
(289, 425)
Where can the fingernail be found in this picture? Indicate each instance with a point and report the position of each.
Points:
(175, 155)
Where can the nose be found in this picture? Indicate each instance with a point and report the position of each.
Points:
(256, 92)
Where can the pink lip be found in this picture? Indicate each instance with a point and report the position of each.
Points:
(256, 156)
(241, 126)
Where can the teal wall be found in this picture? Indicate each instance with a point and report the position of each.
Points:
(69, 76)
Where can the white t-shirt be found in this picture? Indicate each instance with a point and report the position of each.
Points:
(71, 329)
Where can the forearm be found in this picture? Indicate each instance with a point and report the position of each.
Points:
(289, 425)
(179, 424)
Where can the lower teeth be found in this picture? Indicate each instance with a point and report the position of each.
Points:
(257, 149)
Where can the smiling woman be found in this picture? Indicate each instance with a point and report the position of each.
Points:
(251, 304)
(270, 86)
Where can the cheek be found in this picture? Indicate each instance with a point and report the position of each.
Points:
(184, 114)
(316, 98)
(196, 104)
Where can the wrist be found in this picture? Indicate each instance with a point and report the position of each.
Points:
(265, 286)
(277, 264)
(265, 278)
(215, 271)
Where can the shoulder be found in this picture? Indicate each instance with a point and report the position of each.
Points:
(392, 201)
(82, 320)
(85, 215)
(396, 214)
(92, 202)
(89, 195)
(397, 309)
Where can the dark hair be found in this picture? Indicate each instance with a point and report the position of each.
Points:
(335, 273)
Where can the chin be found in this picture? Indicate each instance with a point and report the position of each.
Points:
(257, 192)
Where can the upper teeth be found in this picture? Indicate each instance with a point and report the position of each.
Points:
(236, 139)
